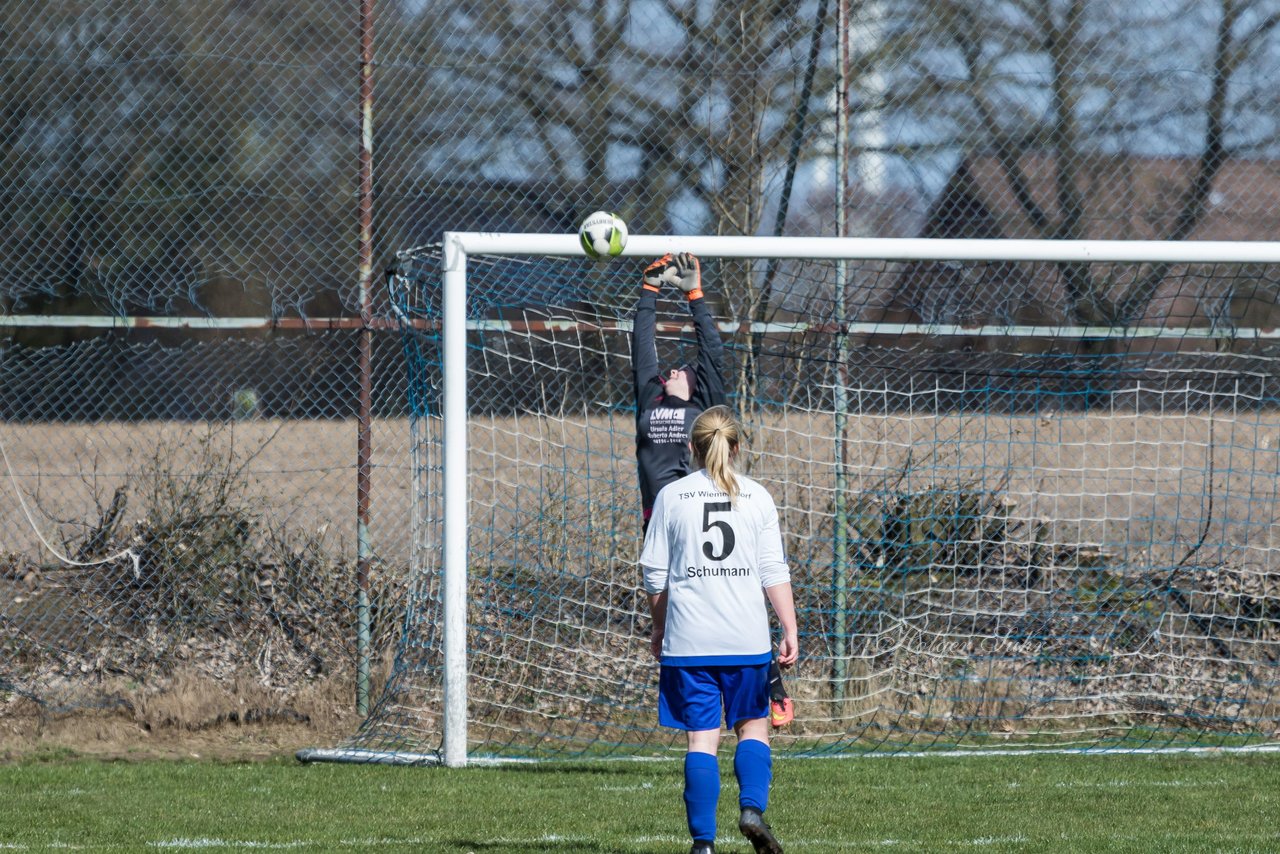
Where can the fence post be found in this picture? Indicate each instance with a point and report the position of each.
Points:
(364, 439)
(840, 532)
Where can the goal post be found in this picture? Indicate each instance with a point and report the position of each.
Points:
(980, 620)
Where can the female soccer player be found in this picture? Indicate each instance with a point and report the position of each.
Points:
(713, 542)
(667, 403)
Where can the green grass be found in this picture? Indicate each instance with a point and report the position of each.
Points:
(1029, 803)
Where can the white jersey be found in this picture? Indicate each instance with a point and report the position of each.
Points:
(714, 558)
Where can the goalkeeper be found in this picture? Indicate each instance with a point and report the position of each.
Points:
(668, 402)
(713, 543)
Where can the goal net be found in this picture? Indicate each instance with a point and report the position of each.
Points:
(1028, 493)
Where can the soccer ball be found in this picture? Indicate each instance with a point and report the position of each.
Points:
(602, 235)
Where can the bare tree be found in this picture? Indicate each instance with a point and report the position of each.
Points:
(156, 153)
(1078, 82)
(678, 115)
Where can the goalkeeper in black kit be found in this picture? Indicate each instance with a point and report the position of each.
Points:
(668, 402)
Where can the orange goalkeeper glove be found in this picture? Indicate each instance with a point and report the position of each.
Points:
(781, 710)
(688, 275)
(657, 273)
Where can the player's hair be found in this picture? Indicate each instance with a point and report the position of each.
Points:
(715, 437)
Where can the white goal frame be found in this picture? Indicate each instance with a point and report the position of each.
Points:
(458, 246)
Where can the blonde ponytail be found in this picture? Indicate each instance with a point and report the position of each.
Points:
(715, 439)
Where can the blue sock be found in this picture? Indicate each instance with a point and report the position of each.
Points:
(701, 794)
(753, 766)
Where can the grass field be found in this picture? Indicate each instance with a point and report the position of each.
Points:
(1031, 803)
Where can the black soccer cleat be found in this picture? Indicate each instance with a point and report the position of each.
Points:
(701, 847)
(758, 833)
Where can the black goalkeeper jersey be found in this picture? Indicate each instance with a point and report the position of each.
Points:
(663, 424)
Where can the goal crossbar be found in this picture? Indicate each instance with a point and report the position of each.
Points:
(458, 244)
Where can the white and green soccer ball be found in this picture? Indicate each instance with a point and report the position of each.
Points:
(602, 235)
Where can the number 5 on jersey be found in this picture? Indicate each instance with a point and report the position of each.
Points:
(727, 537)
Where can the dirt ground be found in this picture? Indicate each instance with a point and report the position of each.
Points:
(193, 718)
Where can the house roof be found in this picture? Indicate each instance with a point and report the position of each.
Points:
(1122, 198)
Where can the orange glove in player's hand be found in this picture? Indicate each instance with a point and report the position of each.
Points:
(658, 273)
(781, 710)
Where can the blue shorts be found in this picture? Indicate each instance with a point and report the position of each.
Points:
(690, 698)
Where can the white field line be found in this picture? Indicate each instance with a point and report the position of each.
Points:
(1139, 784)
(1066, 751)
(943, 786)
(349, 755)
(639, 787)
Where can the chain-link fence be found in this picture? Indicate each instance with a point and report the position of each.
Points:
(188, 508)
(211, 161)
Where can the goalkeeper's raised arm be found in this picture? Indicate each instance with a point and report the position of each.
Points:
(668, 400)
(708, 390)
